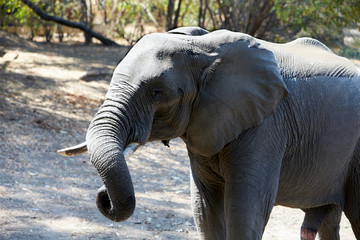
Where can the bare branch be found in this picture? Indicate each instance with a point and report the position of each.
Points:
(68, 23)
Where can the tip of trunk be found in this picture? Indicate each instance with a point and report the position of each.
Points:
(107, 209)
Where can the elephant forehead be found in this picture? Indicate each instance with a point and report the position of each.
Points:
(140, 65)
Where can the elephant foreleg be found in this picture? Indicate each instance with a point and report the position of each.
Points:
(250, 192)
(207, 205)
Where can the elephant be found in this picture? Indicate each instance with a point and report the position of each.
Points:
(264, 124)
(325, 219)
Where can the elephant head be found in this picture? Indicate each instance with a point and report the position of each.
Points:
(205, 89)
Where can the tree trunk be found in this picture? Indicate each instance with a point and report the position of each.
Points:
(177, 13)
(257, 16)
(172, 18)
(202, 14)
(170, 11)
(245, 16)
(85, 19)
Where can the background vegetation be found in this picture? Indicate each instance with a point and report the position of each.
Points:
(276, 20)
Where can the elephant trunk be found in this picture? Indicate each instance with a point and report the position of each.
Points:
(115, 199)
(107, 137)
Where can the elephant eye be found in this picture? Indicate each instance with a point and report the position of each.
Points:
(156, 94)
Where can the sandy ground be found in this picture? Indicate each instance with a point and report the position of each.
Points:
(46, 104)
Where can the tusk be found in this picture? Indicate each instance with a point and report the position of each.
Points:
(74, 150)
(81, 148)
(130, 149)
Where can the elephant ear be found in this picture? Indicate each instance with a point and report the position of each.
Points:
(241, 87)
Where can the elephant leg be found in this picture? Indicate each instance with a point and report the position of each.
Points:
(207, 206)
(352, 203)
(312, 221)
(251, 184)
(329, 229)
(324, 219)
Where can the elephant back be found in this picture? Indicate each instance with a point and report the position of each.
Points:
(307, 57)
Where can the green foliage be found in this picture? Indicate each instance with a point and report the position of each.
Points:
(13, 14)
(357, 43)
(322, 19)
(283, 20)
(128, 12)
(16, 16)
(129, 18)
(350, 52)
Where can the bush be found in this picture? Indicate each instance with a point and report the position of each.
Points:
(350, 52)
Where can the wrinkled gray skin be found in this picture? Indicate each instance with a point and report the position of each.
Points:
(325, 219)
(264, 124)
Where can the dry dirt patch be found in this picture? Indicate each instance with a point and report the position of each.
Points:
(47, 98)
